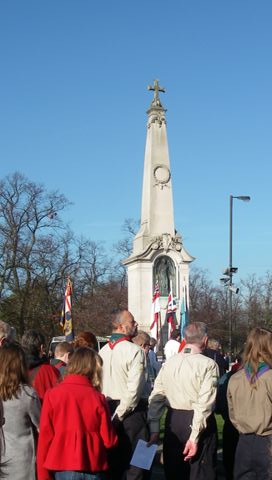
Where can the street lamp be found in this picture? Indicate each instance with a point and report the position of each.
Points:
(231, 269)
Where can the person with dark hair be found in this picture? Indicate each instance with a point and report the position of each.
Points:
(124, 367)
(75, 427)
(42, 375)
(21, 412)
(143, 340)
(85, 339)
(154, 363)
(187, 385)
(172, 346)
(2, 440)
(250, 405)
(230, 434)
(213, 351)
(7, 333)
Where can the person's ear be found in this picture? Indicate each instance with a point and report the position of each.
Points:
(122, 328)
(65, 357)
(42, 350)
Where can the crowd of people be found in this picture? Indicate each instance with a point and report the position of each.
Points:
(80, 414)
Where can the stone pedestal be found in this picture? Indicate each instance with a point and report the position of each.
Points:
(142, 278)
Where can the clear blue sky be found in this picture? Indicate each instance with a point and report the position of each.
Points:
(73, 99)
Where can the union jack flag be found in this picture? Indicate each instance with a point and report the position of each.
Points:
(156, 309)
(66, 314)
(171, 313)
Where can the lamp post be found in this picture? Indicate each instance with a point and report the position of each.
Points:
(244, 198)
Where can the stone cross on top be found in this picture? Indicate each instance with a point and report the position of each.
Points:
(156, 88)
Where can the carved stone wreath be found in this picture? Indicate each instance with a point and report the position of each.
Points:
(162, 175)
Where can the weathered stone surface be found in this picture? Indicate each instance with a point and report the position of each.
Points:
(157, 236)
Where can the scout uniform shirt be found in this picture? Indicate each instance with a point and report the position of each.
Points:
(124, 367)
(187, 381)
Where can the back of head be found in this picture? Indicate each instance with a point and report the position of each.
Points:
(32, 341)
(62, 348)
(153, 342)
(258, 348)
(142, 339)
(13, 370)
(196, 333)
(123, 322)
(85, 339)
(175, 334)
(6, 332)
(117, 317)
(85, 361)
(213, 344)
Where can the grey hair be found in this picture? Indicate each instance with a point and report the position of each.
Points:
(116, 317)
(6, 331)
(195, 332)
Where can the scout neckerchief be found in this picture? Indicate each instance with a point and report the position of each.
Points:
(262, 368)
(117, 338)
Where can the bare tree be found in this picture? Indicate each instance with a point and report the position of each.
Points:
(123, 249)
(29, 219)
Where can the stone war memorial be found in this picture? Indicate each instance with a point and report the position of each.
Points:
(158, 252)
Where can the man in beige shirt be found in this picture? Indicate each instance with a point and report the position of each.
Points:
(124, 366)
(187, 386)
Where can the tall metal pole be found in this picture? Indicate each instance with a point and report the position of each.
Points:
(231, 270)
(230, 276)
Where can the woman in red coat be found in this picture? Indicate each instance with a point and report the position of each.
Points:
(75, 426)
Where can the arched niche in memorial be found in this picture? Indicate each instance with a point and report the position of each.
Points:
(164, 271)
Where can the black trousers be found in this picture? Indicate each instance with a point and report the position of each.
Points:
(230, 440)
(177, 432)
(130, 430)
(253, 458)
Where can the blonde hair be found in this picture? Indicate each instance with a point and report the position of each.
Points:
(213, 344)
(85, 361)
(258, 349)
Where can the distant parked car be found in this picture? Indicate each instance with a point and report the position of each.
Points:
(101, 341)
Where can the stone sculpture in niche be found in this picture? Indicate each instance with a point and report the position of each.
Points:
(165, 273)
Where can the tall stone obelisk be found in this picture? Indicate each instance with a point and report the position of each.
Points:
(158, 251)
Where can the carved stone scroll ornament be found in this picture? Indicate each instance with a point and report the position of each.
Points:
(167, 242)
(157, 117)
